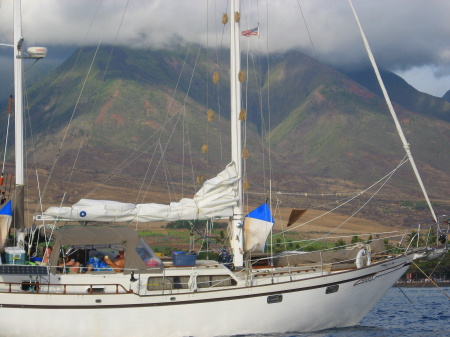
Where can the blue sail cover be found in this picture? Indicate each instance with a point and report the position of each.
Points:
(257, 226)
(5, 222)
(7, 209)
(262, 213)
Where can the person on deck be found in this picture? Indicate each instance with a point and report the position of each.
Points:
(46, 257)
(70, 265)
(120, 255)
(118, 264)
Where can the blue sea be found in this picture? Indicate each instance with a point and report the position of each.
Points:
(415, 312)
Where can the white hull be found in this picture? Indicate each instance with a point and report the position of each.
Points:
(305, 306)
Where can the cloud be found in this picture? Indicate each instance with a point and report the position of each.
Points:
(428, 79)
(403, 34)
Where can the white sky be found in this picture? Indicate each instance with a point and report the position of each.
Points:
(409, 37)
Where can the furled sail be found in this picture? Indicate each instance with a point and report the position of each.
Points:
(257, 226)
(216, 198)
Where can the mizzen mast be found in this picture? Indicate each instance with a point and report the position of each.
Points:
(32, 53)
(18, 197)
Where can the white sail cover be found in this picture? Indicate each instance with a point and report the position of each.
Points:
(216, 199)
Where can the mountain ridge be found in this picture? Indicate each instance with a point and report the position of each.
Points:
(322, 122)
(403, 93)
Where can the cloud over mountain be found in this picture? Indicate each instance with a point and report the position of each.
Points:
(405, 35)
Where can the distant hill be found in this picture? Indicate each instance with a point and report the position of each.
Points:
(324, 130)
(341, 129)
(404, 94)
(446, 96)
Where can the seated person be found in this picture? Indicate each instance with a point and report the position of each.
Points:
(117, 265)
(120, 255)
(97, 264)
(45, 257)
(70, 265)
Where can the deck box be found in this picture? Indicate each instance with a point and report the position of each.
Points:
(181, 259)
(14, 255)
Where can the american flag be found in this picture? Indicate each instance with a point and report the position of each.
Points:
(251, 32)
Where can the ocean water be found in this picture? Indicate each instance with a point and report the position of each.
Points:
(415, 312)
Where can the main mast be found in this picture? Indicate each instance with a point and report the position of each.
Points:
(236, 145)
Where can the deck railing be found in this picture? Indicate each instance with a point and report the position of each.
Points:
(65, 289)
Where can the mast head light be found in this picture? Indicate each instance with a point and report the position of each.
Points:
(37, 52)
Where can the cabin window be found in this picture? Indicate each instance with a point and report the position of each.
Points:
(222, 281)
(181, 282)
(159, 283)
(147, 254)
(207, 281)
(167, 283)
(204, 281)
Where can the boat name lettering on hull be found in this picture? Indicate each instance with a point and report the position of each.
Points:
(366, 279)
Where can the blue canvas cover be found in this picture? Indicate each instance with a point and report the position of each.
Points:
(262, 213)
(7, 209)
(257, 226)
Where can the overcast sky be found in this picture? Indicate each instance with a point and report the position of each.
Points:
(409, 37)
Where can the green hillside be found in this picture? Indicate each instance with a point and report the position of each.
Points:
(316, 123)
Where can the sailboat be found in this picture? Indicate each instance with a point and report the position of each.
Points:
(146, 296)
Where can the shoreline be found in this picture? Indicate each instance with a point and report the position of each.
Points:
(427, 284)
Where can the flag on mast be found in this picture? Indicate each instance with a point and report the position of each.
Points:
(251, 32)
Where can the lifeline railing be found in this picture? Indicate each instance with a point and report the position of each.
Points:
(58, 288)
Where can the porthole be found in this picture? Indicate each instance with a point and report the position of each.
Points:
(274, 299)
(332, 289)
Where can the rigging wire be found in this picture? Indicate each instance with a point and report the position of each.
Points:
(269, 110)
(277, 208)
(33, 151)
(367, 201)
(386, 178)
(130, 158)
(255, 64)
(429, 276)
(60, 100)
(217, 87)
(7, 132)
(400, 288)
(394, 115)
(87, 131)
(392, 235)
(75, 109)
(207, 92)
(244, 121)
(135, 154)
(307, 29)
(170, 189)
(190, 152)
(146, 174)
(183, 109)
